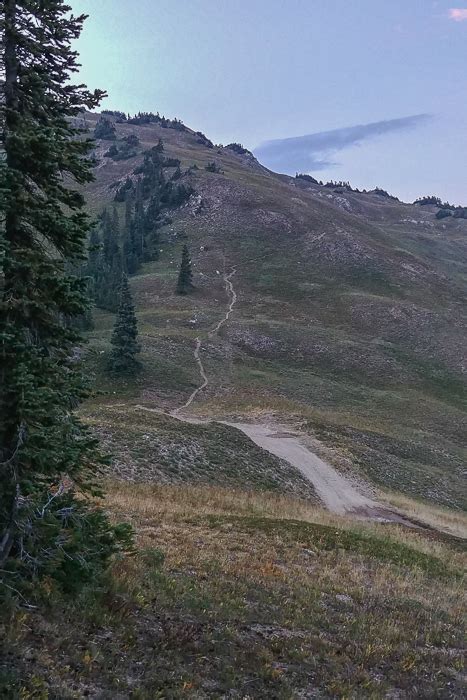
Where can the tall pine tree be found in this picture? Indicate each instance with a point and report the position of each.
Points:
(43, 445)
(131, 259)
(185, 276)
(122, 359)
(109, 271)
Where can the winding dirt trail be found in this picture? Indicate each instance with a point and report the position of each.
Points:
(232, 296)
(336, 491)
(204, 377)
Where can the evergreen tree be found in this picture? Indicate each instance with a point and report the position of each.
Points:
(109, 270)
(105, 130)
(138, 224)
(115, 223)
(123, 190)
(128, 211)
(107, 286)
(151, 228)
(131, 262)
(44, 529)
(94, 262)
(122, 359)
(94, 250)
(185, 276)
(110, 247)
(130, 256)
(151, 170)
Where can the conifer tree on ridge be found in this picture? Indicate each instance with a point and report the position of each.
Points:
(185, 276)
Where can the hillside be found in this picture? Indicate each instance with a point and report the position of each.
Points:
(350, 319)
(319, 361)
(241, 595)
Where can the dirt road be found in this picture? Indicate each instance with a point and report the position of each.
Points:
(337, 492)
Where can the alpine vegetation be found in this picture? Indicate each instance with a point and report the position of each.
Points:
(122, 359)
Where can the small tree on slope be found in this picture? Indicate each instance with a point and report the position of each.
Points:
(185, 276)
(122, 359)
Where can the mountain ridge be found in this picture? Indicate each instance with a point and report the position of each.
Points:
(351, 308)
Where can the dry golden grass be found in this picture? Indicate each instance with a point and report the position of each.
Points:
(454, 522)
(141, 503)
(154, 500)
(240, 594)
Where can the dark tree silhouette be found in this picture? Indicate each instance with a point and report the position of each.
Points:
(185, 276)
(42, 442)
(122, 359)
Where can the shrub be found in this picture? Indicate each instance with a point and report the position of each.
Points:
(307, 178)
(105, 130)
(238, 148)
(202, 139)
(213, 168)
(443, 213)
(431, 200)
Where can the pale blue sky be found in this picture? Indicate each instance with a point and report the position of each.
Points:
(258, 70)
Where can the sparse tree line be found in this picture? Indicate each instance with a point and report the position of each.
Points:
(445, 208)
(142, 118)
(203, 140)
(119, 248)
(239, 149)
(344, 186)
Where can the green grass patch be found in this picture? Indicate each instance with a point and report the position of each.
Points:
(325, 538)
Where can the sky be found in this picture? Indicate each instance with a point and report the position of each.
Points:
(369, 91)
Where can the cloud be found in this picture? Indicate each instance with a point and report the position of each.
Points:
(458, 15)
(315, 151)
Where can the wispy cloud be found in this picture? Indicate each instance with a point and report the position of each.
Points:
(315, 151)
(458, 14)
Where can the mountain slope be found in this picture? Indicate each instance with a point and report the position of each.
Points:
(248, 595)
(350, 319)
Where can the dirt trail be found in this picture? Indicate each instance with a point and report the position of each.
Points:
(204, 377)
(232, 295)
(336, 491)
